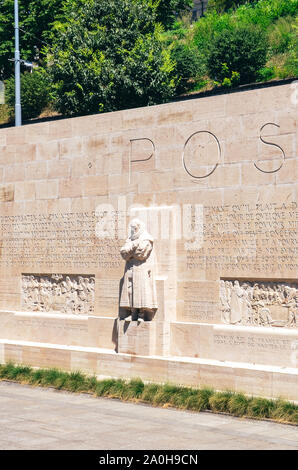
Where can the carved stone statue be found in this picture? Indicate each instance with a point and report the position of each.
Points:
(138, 291)
(236, 303)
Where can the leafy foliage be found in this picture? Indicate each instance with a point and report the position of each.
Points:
(35, 93)
(265, 74)
(35, 18)
(242, 50)
(291, 65)
(220, 6)
(284, 64)
(276, 18)
(280, 34)
(109, 56)
(263, 14)
(228, 78)
(189, 65)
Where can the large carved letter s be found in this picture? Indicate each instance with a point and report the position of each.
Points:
(274, 145)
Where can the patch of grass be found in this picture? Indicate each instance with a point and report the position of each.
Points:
(52, 377)
(285, 410)
(149, 392)
(163, 394)
(76, 382)
(112, 388)
(36, 377)
(91, 383)
(178, 396)
(171, 395)
(62, 381)
(133, 389)
(283, 66)
(199, 400)
(280, 34)
(15, 372)
(220, 401)
(49, 111)
(236, 404)
(204, 84)
(260, 408)
(204, 398)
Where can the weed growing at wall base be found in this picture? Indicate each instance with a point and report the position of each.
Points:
(164, 395)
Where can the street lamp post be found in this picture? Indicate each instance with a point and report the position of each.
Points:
(18, 109)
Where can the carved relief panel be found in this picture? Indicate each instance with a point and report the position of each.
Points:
(63, 293)
(259, 303)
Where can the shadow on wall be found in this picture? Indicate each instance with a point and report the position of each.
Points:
(115, 334)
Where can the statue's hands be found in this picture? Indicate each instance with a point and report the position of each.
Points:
(136, 249)
(143, 250)
(127, 250)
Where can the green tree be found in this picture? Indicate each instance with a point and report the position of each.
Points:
(36, 17)
(242, 50)
(109, 56)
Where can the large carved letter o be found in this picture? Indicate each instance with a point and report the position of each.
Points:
(183, 154)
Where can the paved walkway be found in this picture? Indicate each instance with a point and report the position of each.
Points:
(36, 418)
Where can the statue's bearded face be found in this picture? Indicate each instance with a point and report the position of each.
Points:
(134, 228)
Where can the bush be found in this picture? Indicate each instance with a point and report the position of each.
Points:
(189, 65)
(265, 74)
(35, 93)
(242, 50)
(207, 28)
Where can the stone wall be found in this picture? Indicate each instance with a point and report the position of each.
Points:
(215, 181)
(56, 178)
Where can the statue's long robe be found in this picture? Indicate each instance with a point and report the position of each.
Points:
(236, 305)
(140, 267)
